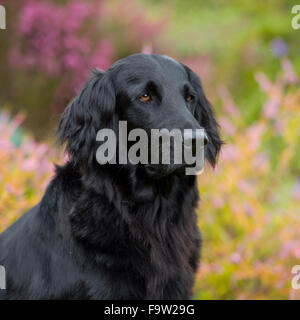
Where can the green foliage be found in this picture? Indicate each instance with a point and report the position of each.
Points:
(236, 36)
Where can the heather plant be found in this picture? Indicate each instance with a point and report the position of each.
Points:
(58, 41)
(54, 45)
(24, 172)
(249, 214)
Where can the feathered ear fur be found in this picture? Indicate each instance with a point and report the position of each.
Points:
(90, 111)
(204, 114)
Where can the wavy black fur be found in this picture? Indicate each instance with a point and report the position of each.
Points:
(114, 231)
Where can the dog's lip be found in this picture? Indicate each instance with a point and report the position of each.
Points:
(160, 170)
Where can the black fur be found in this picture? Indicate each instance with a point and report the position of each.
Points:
(115, 231)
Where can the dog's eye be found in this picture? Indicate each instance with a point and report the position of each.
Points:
(189, 98)
(145, 97)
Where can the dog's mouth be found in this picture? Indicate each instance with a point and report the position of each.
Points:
(157, 171)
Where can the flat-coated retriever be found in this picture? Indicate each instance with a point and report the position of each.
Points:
(115, 231)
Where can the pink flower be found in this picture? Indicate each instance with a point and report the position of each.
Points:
(218, 202)
(53, 39)
(147, 49)
(228, 103)
(296, 192)
(290, 75)
(227, 126)
(103, 55)
(254, 134)
(263, 81)
(245, 186)
(271, 108)
(236, 258)
(261, 161)
(229, 153)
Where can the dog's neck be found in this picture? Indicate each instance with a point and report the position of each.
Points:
(124, 198)
(131, 182)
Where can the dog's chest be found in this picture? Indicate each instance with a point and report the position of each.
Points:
(160, 253)
(138, 252)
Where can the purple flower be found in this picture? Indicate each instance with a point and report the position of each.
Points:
(297, 190)
(279, 48)
(271, 108)
(64, 40)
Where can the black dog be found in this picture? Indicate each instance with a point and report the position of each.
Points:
(115, 231)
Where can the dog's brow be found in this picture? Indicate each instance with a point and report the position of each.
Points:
(133, 80)
(187, 87)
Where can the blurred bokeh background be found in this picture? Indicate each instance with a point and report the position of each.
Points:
(247, 55)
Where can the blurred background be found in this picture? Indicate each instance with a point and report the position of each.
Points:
(247, 55)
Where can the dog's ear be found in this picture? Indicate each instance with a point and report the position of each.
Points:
(90, 111)
(204, 114)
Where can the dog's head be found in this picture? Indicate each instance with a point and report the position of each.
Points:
(147, 91)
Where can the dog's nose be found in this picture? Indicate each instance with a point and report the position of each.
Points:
(198, 137)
